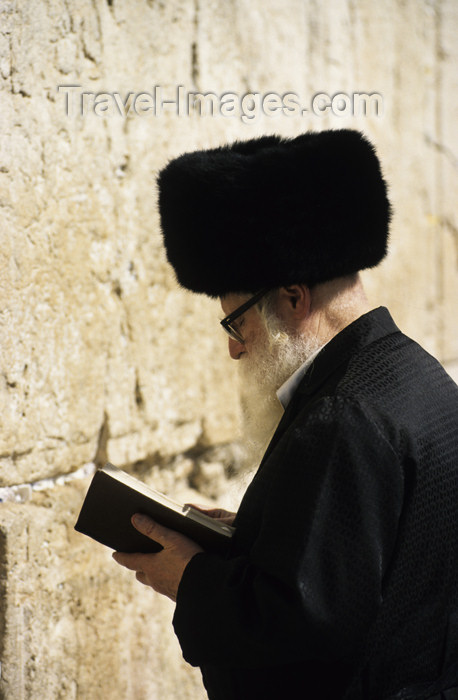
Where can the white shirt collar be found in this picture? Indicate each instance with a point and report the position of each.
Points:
(287, 389)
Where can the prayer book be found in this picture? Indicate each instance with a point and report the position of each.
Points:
(114, 496)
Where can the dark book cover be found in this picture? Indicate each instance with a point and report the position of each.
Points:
(114, 496)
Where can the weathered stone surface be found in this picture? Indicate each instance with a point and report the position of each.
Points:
(92, 321)
(102, 356)
(73, 623)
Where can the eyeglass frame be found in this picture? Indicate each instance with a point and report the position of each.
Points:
(239, 311)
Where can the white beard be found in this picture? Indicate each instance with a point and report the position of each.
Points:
(261, 374)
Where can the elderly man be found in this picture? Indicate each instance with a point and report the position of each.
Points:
(342, 576)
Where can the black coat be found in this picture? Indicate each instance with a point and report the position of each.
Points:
(342, 580)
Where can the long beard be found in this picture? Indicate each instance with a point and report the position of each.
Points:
(261, 374)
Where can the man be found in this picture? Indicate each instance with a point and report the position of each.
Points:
(342, 577)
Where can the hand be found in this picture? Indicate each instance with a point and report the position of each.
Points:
(224, 516)
(162, 570)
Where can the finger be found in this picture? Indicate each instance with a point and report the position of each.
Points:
(218, 513)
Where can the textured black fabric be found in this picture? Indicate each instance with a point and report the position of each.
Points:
(255, 214)
(342, 578)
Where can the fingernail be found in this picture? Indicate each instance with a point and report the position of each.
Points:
(138, 519)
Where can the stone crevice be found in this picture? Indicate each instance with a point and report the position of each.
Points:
(21, 493)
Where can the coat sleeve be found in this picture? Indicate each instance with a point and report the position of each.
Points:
(312, 581)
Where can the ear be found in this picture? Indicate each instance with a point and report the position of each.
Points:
(294, 302)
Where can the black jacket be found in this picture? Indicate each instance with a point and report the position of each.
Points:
(342, 579)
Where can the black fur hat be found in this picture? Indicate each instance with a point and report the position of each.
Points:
(274, 211)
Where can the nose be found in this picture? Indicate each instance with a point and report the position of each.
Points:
(235, 349)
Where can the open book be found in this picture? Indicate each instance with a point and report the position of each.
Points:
(114, 496)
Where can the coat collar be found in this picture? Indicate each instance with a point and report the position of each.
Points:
(368, 328)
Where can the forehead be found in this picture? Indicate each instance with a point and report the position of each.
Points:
(230, 302)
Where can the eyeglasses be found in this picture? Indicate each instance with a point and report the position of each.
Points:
(228, 322)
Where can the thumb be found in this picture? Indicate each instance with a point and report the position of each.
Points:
(149, 527)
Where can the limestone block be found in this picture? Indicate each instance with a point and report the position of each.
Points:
(73, 624)
(210, 478)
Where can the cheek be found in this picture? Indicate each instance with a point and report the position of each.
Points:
(249, 337)
(255, 342)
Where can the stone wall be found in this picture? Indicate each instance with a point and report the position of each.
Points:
(102, 355)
